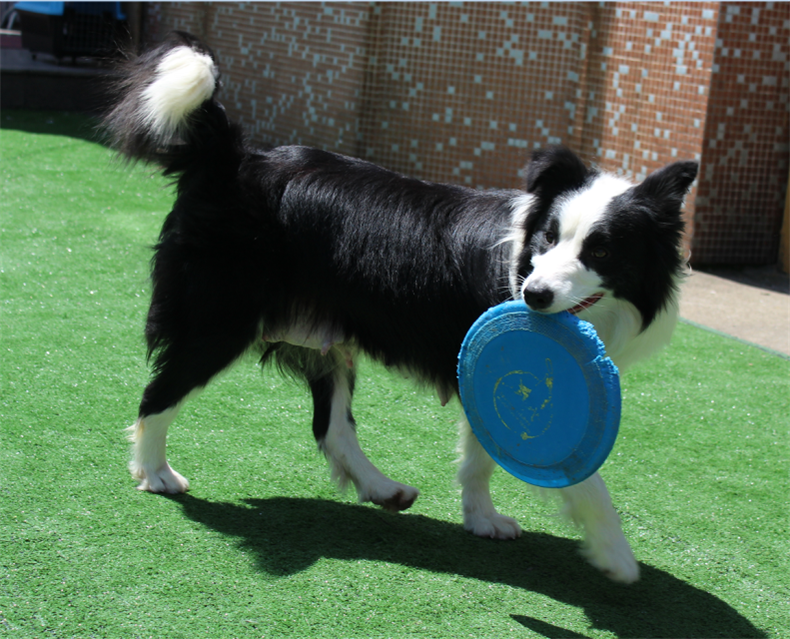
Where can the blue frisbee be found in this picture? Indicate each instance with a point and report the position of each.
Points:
(540, 394)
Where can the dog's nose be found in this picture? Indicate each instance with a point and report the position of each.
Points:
(538, 298)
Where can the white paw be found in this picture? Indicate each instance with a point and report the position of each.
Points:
(162, 480)
(492, 525)
(392, 495)
(613, 557)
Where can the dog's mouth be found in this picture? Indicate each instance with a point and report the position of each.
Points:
(585, 304)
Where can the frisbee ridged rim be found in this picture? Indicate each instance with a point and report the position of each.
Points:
(540, 394)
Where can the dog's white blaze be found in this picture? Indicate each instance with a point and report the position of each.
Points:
(560, 268)
(520, 209)
(185, 78)
(582, 210)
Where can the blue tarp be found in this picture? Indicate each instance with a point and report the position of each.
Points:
(57, 8)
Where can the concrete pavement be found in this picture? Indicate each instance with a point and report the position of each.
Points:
(752, 304)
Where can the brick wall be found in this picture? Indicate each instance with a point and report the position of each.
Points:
(743, 184)
(292, 73)
(645, 88)
(463, 92)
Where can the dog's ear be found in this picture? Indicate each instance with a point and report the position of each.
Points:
(670, 183)
(553, 170)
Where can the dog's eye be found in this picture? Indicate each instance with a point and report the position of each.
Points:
(551, 238)
(600, 253)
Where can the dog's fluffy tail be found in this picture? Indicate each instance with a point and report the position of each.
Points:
(162, 102)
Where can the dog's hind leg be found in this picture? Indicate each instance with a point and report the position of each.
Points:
(335, 431)
(149, 461)
(182, 369)
(480, 516)
(589, 506)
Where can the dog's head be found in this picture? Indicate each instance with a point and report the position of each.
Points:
(588, 234)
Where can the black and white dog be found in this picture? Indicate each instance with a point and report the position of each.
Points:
(311, 258)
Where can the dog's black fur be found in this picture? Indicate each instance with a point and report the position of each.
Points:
(311, 257)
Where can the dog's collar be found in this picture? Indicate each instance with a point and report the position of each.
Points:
(585, 304)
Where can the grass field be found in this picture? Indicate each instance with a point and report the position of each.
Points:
(263, 545)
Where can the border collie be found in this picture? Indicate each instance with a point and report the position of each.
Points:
(311, 258)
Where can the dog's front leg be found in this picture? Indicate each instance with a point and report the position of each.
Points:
(589, 506)
(335, 432)
(480, 516)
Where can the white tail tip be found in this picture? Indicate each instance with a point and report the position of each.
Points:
(185, 78)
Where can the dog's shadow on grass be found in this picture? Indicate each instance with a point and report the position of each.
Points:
(288, 535)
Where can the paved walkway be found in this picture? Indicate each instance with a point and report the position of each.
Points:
(752, 304)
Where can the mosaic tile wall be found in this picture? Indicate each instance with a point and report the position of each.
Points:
(462, 92)
(742, 189)
(292, 73)
(645, 86)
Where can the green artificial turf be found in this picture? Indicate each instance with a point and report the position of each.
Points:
(263, 545)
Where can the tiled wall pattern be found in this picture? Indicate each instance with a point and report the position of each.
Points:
(741, 191)
(462, 92)
(298, 70)
(644, 89)
(292, 73)
(163, 17)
